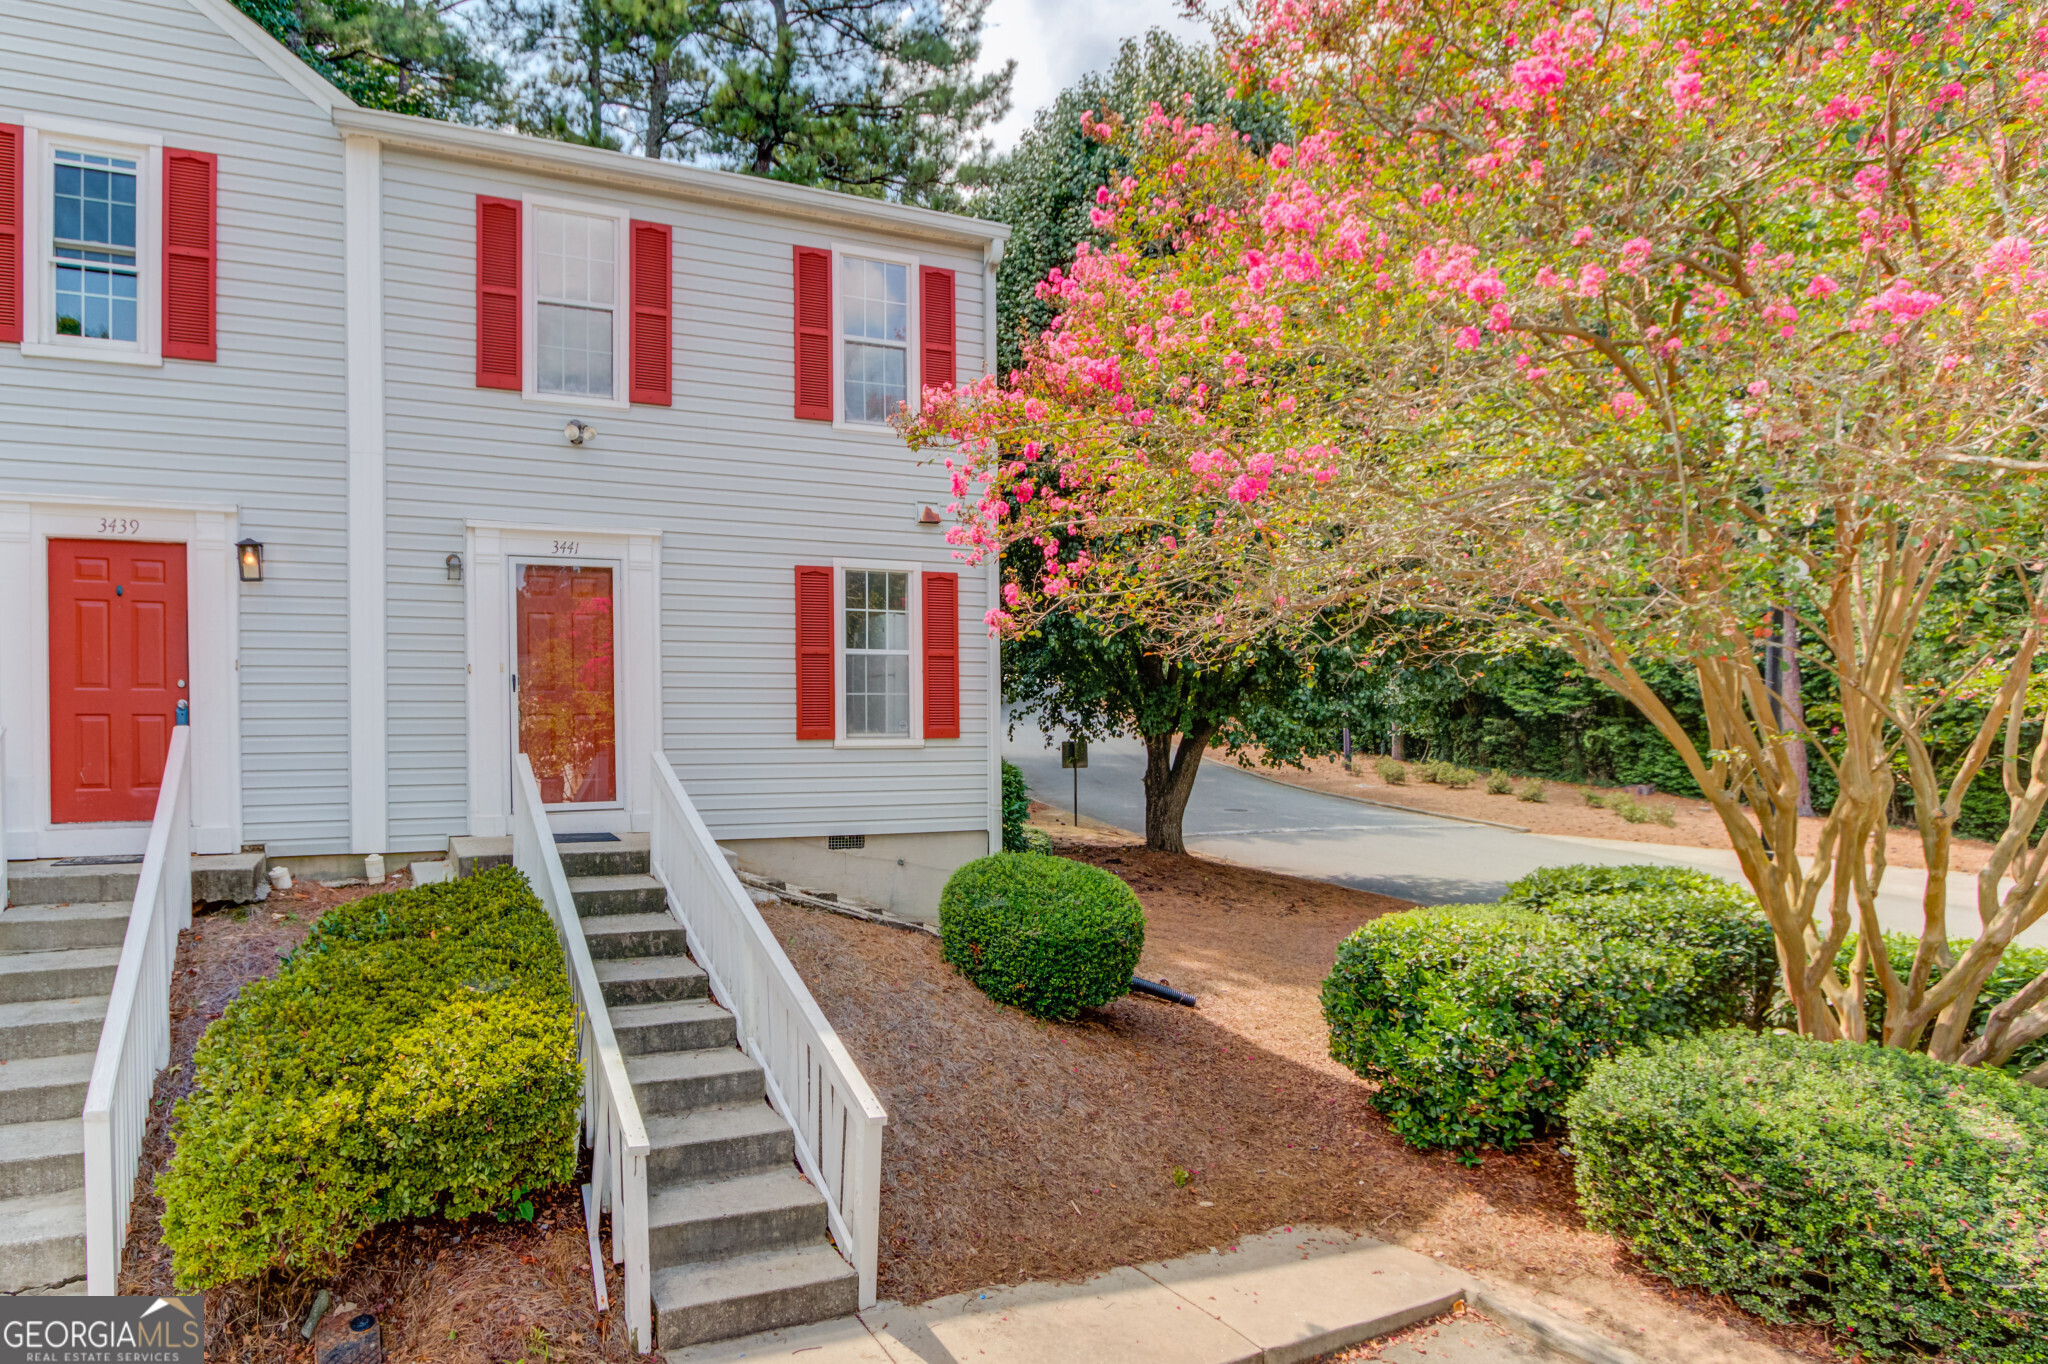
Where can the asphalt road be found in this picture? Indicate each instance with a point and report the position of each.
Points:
(1412, 856)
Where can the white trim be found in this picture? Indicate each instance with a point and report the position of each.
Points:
(914, 603)
(369, 789)
(912, 374)
(992, 257)
(529, 302)
(272, 54)
(490, 548)
(28, 522)
(41, 139)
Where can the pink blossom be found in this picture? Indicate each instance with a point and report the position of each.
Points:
(1537, 74)
(1871, 181)
(1012, 593)
(1591, 280)
(1467, 338)
(1948, 94)
(1759, 388)
(1247, 488)
(2008, 256)
(2039, 319)
(1626, 403)
(1547, 278)
(1684, 89)
(1841, 109)
(1903, 302)
(1499, 319)
(1822, 286)
(1102, 194)
(1635, 253)
(1582, 236)
(1485, 287)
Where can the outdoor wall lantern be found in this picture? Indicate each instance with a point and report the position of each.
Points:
(454, 562)
(250, 555)
(579, 433)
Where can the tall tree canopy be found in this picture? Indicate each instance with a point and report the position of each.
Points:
(405, 55)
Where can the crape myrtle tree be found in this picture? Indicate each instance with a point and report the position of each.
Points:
(1621, 328)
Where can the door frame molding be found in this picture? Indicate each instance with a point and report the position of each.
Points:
(212, 643)
(636, 633)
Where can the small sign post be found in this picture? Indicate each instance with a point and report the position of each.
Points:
(1074, 755)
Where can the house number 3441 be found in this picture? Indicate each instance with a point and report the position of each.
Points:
(566, 546)
(120, 525)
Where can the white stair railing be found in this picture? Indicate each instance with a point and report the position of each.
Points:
(3, 819)
(612, 1127)
(135, 1041)
(812, 1082)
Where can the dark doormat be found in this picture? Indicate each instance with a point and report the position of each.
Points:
(571, 838)
(104, 860)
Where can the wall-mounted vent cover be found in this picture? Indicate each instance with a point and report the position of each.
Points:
(846, 842)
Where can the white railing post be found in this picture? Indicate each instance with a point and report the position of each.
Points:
(812, 1081)
(612, 1127)
(135, 1041)
(3, 819)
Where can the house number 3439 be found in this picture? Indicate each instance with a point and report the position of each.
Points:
(566, 546)
(120, 525)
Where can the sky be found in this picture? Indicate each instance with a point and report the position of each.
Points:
(1056, 41)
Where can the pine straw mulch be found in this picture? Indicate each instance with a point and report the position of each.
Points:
(472, 1292)
(1021, 1150)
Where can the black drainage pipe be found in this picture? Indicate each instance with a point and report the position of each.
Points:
(1166, 992)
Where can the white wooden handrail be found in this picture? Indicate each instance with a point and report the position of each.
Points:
(612, 1127)
(812, 1081)
(135, 1041)
(3, 818)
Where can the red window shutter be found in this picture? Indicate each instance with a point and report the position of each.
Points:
(651, 363)
(813, 269)
(189, 254)
(941, 655)
(935, 359)
(498, 318)
(814, 708)
(10, 232)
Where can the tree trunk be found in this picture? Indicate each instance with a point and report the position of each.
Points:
(1169, 781)
(1795, 708)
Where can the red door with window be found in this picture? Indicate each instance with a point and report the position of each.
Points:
(566, 716)
(117, 673)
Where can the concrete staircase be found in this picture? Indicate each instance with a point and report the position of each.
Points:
(737, 1236)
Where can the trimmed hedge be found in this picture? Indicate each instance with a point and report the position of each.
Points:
(416, 1056)
(1900, 1201)
(1046, 934)
(1477, 1022)
(1016, 809)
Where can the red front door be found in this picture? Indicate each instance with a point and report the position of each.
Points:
(117, 673)
(566, 717)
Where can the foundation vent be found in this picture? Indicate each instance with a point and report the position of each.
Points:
(846, 842)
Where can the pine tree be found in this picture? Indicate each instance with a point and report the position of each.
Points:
(410, 56)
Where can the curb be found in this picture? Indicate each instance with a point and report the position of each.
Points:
(1551, 1334)
(1383, 804)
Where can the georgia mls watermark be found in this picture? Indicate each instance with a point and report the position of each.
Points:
(103, 1330)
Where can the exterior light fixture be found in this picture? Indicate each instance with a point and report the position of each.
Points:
(579, 433)
(249, 553)
(454, 562)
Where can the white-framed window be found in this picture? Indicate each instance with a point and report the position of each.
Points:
(874, 322)
(92, 286)
(880, 683)
(576, 261)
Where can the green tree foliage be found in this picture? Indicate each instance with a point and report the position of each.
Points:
(411, 56)
(877, 97)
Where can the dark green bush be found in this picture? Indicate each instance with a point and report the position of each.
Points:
(1900, 1201)
(1049, 935)
(1734, 957)
(1477, 1022)
(1016, 809)
(416, 1056)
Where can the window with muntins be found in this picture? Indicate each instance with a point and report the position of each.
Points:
(877, 653)
(93, 247)
(575, 266)
(874, 322)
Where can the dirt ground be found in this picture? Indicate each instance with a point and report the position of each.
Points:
(1023, 1150)
(1564, 811)
(475, 1292)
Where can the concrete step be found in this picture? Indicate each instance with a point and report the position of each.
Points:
(686, 1025)
(634, 935)
(45, 1088)
(52, 928)
(598, 896)
(626, 857)
(726, 1139)
(69, 974)
(235, 878)
(42, 1240)
(50, 1027)
(694, 1303)
(646, 980)
(721, 1218)
(678, 1081)
(474, 853)
(41, 1157)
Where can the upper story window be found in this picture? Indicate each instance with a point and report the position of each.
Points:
(576, 261)
(877, 653)
(874, 324)
(93, 240)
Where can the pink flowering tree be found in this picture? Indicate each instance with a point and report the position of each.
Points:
(1632, 328)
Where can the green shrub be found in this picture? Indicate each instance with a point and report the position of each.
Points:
(1499, 784)
(1533, 793)
(1545, 884)
(1429, 771)
(1595, 799)
(416, 1056)
(1016, 809)
(1901, 1202)
(1049, 935)
(1456, 777)
(1391, 772)
(1477, 1022)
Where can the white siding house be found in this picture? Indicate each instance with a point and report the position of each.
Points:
(405, 323)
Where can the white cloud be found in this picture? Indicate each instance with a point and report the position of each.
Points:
(1056, 41)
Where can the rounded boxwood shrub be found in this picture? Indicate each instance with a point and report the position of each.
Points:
(416, 1056)
(1900, 1201)
(1477, 1022)
(1049, 935)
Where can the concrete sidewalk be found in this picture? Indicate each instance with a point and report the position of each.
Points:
(1275, 1299)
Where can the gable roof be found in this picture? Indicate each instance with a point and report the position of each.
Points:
(272, 53)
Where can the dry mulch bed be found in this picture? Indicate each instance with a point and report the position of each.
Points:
(448, 1292)
(1023, 1150)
